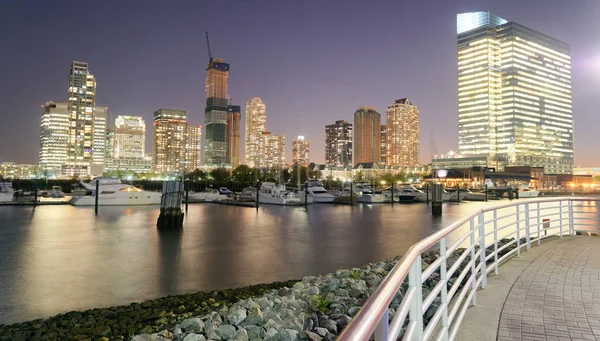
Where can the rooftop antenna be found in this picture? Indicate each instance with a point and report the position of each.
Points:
(210, 57)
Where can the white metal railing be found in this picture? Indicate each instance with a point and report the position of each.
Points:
(526, 221)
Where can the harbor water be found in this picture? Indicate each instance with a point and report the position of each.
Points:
(55, 259)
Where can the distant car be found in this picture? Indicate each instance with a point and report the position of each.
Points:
(225, 191)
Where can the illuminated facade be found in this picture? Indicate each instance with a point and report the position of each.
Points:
(233, 135)
(301, 151)
(338, 144)
(514, 94)
(271, 151)
(402, 134)
(367, 135)
(11, 170)
(129, 137)
(54, 136)
(81, 104)
(383, 144)
(99, 124)
(176, 145)
(215, 114)
(256, 121)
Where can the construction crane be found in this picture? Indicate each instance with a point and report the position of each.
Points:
(210, 57)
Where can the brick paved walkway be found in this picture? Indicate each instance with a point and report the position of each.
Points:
(557, 296)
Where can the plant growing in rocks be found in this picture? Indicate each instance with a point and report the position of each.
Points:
(319, 302)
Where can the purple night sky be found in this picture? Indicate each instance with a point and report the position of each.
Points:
(312, 62)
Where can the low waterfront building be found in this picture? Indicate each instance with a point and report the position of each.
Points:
(455, 161)
(371, 170)
(11, 170)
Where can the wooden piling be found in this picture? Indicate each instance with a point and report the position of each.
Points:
(171, 215)
(97, 196)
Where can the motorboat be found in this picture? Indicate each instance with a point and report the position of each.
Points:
(399, 195)
(114, 193)
(474, 196)
(459, 195)
(6, 192)
(247, 194)
(274, 194)
(208, 195)
(527, 192)
(55, 192)
(315, 192)
(225, 191)
(419, 195)
(368, 196)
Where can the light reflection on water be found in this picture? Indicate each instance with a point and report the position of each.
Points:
(55, 259)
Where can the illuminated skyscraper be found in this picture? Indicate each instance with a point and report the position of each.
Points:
(215, 114)
(367, 135)
(301, 151)
(256, 120)
(81, 103)
(383, 144)
(271, 150)
(402, 134)
(176, 145)
(99, 125)
(129, 138)
(54, 138)
(514, 94)
(233, 135)
(338, 144)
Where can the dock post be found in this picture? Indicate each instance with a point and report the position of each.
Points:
(171, 215)
(257, 190)
(187, 194)
(35, 190)
(485, 191)
(458, 195)
(305, 195)
(351, 194)
(436, 199)
(393, 194)
(427, 191)
(97, 196)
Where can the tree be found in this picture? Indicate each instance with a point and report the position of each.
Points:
(220, 174)
(359, 177)
(597, 178)
(196, 175)
(243, 173)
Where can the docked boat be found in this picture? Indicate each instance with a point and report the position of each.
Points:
(527, 192)
(247, 194)
(367, 196)
(419, 195)
(315, 192)
(225, 191)
(474, 196)
(459, 194)
(55, 192)
(114, 193)
(274, 194)
(399, 195)
(6, 192)
(208, 195)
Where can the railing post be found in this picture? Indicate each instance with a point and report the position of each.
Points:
(571, 220)
(518, 230)
(473, 271)
(560, 217)
(444, 295)
(483, 250)
(381, 332)
(539, 236)
(496, 241)
(416, 307)
(527, 228)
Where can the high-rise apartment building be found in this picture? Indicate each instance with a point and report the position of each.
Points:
(367, 135)
(99, 126)
(271, 150)
(382, 146)
(514, 94)
(129, 138)
(256, 121)
(338, 144)
(402, 134)
(233, 135)
(80, 104)
(301, 151)
(176, 145)
(54, 138)
(215, 114)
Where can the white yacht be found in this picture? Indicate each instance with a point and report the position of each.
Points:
(316, 192)
(461, 195)
(115, 193)
(474, 196)
(247, 194)
(400, 195)
(368, 196)
(55, 192)
(527, 192)
(419, 195)
(208, 195)
(271, 193)
(6, 191)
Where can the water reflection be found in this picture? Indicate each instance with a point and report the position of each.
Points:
(59, 258)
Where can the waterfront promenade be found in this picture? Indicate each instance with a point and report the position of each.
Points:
(549, 293)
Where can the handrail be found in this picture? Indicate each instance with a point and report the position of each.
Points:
(373, 316)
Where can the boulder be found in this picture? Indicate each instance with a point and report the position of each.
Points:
(226, 331)
(255, 332)
(321, 331)
(307, 335)
(271, 334)
(287, 335)
(192, 325)
(342, 322)
(330, 325)
(142, 337)
(194, 337)
(250, 304)
(240, 335)
(237, 316)
(255, 317)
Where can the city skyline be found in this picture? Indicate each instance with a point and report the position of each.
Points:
(123, 92)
